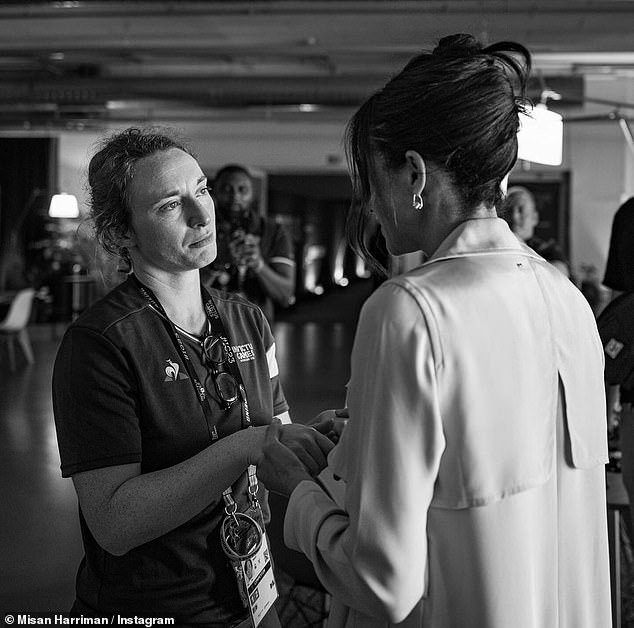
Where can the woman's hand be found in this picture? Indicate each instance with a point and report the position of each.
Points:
(290, 453)
(309, 444)
(279, 468)
(331, 423)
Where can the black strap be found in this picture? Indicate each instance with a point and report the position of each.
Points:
(218, 329)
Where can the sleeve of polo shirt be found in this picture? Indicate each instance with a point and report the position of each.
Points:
(281, 247)
(94, 404)
(280, 405)
(372, 552)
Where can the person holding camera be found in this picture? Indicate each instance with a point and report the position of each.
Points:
(160, 412)
(472, 464)
(255, 254)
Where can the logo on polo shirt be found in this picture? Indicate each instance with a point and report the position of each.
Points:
(243, 353)
(172, 372)
(613, 348)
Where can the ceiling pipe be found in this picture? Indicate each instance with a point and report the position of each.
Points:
(627, 132)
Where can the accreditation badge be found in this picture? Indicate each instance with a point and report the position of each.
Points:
(259, 582)
(244, 542)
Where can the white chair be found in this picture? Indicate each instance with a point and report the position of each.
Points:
(14, 326)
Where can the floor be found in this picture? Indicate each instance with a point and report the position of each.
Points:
(40, 545)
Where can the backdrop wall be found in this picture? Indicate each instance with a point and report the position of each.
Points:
(596, 155)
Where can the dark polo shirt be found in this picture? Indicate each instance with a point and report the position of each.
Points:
(121, 394)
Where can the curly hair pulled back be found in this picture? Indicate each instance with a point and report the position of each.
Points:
(110, 172)
(458, 107)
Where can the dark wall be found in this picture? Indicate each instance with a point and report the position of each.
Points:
(314, 208)
(26, 169)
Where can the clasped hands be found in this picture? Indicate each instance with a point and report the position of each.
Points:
(292, 453)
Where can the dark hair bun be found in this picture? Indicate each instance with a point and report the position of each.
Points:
(460, 45)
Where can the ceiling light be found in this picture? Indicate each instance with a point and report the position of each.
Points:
(540, 138)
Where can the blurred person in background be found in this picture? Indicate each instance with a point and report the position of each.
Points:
(619, 270)
(255, 253)
(619, 278)
(520, 211)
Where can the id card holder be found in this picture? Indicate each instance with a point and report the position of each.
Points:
(259, 582)
(244, 542)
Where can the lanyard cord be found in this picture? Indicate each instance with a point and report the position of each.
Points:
(216, 326)
(230, 505)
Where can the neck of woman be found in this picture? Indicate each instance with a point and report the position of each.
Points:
(442, 219)
(180, 297)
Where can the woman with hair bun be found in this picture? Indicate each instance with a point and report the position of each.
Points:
(471, 468)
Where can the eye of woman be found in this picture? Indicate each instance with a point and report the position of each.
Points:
(172, 205)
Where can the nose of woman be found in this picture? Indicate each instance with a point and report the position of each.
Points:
(200, 212)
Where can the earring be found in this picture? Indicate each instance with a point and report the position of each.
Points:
(417, 201)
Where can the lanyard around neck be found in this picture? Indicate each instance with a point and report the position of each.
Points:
(217, 328)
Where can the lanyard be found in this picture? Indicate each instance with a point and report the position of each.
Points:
(218, 329)
(230, 505)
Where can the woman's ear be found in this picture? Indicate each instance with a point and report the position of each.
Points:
(417, 172)
(128, 240)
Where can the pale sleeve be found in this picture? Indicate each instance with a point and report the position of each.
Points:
(372, 553)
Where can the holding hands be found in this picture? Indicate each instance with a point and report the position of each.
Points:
(292, 453)
(331, 423)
